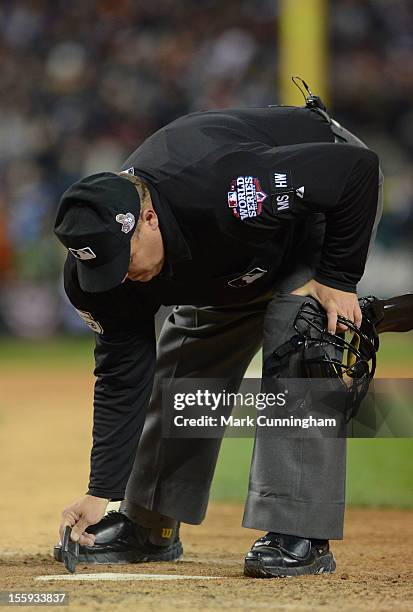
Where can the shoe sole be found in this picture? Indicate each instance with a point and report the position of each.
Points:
(174, 553)
(255, 568)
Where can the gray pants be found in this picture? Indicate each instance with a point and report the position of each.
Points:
(296, 486)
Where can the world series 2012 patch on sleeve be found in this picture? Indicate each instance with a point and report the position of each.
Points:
(246, 197)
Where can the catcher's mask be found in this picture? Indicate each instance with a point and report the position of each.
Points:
(349, 359)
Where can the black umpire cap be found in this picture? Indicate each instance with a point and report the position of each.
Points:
(95, 222)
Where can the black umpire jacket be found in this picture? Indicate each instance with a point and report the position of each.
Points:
(233, 190)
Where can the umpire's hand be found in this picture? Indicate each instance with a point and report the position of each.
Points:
(85, 511)
(334, 302)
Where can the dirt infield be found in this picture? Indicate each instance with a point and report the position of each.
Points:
(373, 570)
(40, 473)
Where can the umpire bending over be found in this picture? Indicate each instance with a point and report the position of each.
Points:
(234, 217)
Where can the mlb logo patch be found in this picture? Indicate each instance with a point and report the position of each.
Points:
(247, 278)
(232, 199)
(83, 254)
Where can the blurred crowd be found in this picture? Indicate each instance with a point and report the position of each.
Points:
(83, 83)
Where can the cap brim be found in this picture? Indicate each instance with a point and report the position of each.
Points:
(105, 277)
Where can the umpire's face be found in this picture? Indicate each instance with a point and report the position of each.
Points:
(147, 251)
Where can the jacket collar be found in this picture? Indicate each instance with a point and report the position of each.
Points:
(175, 245)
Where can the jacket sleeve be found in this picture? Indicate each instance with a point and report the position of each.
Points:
(350, 217)
(124, 372)
(338, 180)
(125, 348)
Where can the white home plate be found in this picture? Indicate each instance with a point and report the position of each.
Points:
(116, 576)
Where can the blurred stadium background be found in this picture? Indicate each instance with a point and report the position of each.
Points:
(83, 83)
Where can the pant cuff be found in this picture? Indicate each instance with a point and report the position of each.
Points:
(304, 519)
(180, 500)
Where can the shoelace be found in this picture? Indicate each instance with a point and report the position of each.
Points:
(273, 538)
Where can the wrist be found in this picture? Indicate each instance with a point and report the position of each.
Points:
(334, 284)
(101, 498)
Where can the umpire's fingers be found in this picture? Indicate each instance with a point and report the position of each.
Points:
(69, 518)
(78, 529)
(87, 539)
(331, 310)
(85, 511)
(358, 315)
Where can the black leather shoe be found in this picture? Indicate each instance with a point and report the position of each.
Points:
(119, 540)
(277, 555)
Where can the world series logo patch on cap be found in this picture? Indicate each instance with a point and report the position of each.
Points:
(127, 221)
(245, 197)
